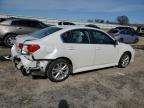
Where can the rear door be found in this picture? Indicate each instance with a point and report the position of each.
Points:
(78, 48)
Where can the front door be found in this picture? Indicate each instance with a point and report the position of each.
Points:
(106, 51)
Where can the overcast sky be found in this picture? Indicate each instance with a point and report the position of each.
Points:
(76, 9)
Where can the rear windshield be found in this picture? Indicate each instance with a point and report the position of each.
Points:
(113, 31)
(45, 32)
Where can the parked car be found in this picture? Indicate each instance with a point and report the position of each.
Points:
(127, 28)
(140, 31)
(59, 51)
(2, 19)
(10, 28)
(124, 28)
(92, 25)
(125, 36)
(65, 23)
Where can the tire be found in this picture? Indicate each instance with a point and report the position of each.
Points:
(24, 73)
(55, 71)
(9, 40)
(124, 60)
(136, 40)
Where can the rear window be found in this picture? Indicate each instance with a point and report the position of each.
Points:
(113, 31)
(45, 32)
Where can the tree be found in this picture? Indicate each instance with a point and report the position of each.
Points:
(90, 20)
(123, 20)
(101, 21)
(107, 22)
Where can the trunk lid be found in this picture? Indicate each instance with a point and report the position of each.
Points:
(22, 39)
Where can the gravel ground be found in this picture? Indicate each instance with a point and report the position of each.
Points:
(105, 88)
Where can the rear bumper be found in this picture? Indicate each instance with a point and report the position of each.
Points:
(33, 67)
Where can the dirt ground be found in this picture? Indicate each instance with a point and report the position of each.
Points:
(105, 88)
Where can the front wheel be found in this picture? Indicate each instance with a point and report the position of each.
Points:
(124, 60)
(59, 70)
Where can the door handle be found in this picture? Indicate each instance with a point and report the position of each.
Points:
(70, 48)
(98, 48)
(19, 28)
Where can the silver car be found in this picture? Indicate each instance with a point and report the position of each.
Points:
(126, 36)
(10, 28)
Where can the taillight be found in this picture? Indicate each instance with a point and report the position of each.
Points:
(28, 48)
(20, 45)
(32, 48)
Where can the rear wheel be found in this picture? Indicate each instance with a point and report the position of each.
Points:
(124, 61)
(9, 40)
(59, 70)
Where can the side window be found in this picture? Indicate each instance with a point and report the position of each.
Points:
(80, 36)
(21, 23)
(16, 23)
(101, 38)
(130, 32)
(66, 37)
(123, 32)
(26, 23)
(76, 36)
(36, 24)
(42, 25)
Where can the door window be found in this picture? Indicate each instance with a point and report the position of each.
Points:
(21, 23)
(101, 38)
(76, 36)
(123, 32)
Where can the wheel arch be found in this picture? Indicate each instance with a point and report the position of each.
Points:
(9, 34)
(66, 58)
(128, 52)
(52, 62)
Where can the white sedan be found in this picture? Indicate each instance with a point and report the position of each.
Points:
(58, 51)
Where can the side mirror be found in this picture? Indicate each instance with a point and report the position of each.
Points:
(115, 42)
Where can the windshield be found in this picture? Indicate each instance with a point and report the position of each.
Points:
(45, 32)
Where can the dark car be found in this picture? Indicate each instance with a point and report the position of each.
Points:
(65, 23)
(124, 28)
(10, 28)
(2, 19)
(92, 25)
